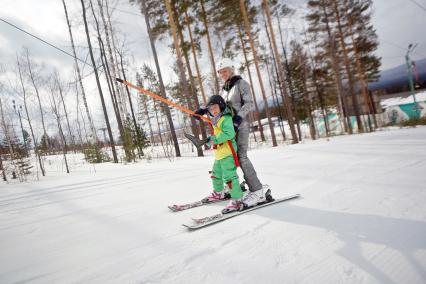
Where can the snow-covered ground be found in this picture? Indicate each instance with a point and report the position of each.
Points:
(361, 219)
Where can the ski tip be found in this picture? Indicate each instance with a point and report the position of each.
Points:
(189, 227)
(173, 208)
(119, 80)
(196, 221)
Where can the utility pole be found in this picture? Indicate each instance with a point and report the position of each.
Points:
(410, 76)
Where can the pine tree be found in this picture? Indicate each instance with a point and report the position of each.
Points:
(344, 34)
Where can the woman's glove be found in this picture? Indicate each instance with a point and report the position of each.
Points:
(237, 120)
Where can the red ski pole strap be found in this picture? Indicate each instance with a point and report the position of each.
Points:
(234, 154)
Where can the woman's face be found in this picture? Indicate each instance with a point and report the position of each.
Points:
(225, 73)
(214, 109)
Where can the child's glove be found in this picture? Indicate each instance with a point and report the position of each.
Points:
(237, 120)
(209, 141)
(200, 111)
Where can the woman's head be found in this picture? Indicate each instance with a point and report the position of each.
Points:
(225, 69)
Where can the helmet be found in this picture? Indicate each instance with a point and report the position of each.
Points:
(217, 100)
(225, 62)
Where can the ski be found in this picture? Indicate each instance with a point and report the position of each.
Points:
(182, 207)
(213, 219)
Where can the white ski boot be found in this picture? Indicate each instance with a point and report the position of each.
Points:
(253, 198)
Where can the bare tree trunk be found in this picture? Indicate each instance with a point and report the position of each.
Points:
(29, 121)
(83, 92)
(307, 101)
(281, 76)
(9, 144)
(65, 109)
(149, 120)
(160, 79)
(124, 137)
(110, 87)
(275, 99)
(289, 76)
(111, 138)
(194, 55)
(121, 101)
(30, 73)
(114, 48)
(137, 130)
(315, 82)
(181, 68)
(84, 126)
(2, 169)
(129, 153)
(79, 131)
(191, 77)
(115, 96)
(240, 35)
(348, 71)
(209, 44)
(55, 111)
(322, 105)
(159, 128)
(256, 63)
(271, 78)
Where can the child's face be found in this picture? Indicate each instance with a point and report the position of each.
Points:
(214, 109)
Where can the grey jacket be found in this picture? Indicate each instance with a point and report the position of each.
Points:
(239, 97)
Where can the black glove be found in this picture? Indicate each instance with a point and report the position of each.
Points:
(200, 111)
(237, 120)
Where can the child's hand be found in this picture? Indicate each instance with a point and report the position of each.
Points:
(200, 111)
(209, 140)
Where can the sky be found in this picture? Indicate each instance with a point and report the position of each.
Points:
(398, 23)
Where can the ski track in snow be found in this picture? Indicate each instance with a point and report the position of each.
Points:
(361, 219)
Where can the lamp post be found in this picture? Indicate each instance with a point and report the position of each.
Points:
(410, 76)
(22, 128)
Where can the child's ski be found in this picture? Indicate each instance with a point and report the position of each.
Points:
(181, 207)
(206, 221)
(177, 208)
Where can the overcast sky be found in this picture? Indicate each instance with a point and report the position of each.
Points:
(398, 23)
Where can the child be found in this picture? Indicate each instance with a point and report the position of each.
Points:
(225, 165)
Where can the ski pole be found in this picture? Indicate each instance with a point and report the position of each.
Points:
(166, 101)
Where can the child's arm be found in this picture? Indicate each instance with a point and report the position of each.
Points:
(228, 132)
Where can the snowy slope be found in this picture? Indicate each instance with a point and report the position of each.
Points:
(362, 219)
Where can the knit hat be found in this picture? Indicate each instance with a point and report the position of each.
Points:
(225, 63)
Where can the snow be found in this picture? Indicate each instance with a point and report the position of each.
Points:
(361, 219)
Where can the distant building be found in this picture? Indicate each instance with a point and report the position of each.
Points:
(391, 94)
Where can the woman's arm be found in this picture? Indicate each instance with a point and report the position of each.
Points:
(246, 97)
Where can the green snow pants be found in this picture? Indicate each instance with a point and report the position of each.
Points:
(225, 172)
